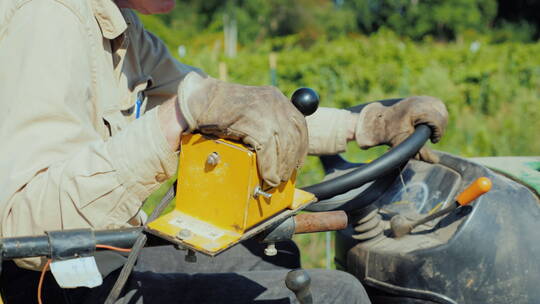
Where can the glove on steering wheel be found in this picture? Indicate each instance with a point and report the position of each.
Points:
(390, 125)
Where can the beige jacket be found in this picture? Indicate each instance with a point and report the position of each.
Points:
(72, 154)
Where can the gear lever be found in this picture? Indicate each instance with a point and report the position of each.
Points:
(401, 226)
(306, 100)
(298, 281)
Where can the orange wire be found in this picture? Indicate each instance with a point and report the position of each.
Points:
(41, 277)
(113, 248)
(44, 270)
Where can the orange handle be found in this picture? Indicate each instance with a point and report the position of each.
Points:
(479, 187)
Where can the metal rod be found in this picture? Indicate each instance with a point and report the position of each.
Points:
(321, 221)
(436, 214)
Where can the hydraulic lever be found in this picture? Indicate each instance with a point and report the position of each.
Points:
(401, 226)
(221, 198)
(298, 281)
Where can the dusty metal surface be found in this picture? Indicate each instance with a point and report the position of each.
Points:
(483, 253)
(526, 170)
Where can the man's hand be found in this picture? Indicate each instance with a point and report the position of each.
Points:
(380, 125)
(261, 117)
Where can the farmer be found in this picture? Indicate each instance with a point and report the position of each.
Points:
(75, 75)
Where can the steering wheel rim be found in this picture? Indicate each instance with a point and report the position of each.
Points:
(378, 168)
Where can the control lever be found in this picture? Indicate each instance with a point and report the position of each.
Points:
(298, 281)
(306, 100)
(401, 226)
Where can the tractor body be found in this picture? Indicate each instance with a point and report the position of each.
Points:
(488, 252)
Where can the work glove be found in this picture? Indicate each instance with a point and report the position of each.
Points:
(260, 116)
(390, 125)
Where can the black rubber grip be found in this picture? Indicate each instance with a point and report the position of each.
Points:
(35, 246)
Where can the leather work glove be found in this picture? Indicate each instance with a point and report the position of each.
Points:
(390, 125)
(260, 116)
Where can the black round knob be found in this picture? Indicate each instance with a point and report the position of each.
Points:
(306, 100)
(298, 281)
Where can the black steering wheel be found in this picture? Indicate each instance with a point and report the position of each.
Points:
(364, 173)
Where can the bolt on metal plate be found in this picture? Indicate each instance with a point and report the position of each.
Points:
(183, 234)
(258, 191)
(213, 159)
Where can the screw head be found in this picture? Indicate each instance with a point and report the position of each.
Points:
(213, 159)
(183, 234)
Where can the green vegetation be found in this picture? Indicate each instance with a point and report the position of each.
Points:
(311, 20)
(491, 90)
(489, 81)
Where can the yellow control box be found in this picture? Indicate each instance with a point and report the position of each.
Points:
(221, 198)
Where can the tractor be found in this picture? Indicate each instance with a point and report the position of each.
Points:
(459, 231)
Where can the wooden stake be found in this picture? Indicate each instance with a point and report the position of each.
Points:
(223, 71)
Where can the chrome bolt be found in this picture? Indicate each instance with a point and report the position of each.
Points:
(270, 249)
(213, 159)
(258, 191)
(183, 234)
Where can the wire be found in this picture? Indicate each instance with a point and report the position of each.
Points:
(41, 277)
(101, 246)
(48, 263)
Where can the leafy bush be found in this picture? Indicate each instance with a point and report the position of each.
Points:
(258, 20)
(491, 90)
(418, 19)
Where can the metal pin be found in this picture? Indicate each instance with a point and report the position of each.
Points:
(190, 256)
(258, 191)
(270, 250)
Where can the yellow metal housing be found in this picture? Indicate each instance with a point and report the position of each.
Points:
(216, 200)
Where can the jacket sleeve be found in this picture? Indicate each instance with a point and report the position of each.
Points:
(57, 168)
(327, 129)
